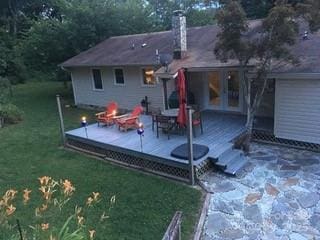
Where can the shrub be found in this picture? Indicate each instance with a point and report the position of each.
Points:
(10, 113)
(4, 90)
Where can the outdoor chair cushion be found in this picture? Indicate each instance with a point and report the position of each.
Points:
(181, 151)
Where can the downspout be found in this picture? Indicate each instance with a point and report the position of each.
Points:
(72, 82)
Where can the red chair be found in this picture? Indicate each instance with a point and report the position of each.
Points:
(129, 121)
(107, 117)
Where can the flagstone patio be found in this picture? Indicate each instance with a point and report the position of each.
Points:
(275, 197)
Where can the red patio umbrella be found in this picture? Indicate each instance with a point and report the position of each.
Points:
(182, 115)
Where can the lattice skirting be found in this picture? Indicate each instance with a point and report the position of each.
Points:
(267, 137)
(203, 167)
(175, 172)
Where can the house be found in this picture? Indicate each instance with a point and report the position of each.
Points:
(128, 68)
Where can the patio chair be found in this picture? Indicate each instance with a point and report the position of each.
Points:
(154, 113)
(129, 121)
(196, 121)
(107, 117)
(165, 123)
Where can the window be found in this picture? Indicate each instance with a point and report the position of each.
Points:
(118, 76)
(148, 76)
(97, 80)
(233, 89)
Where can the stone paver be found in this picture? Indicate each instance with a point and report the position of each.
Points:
(252, 198)
(277, 196)
(271, 190)
(308, 200)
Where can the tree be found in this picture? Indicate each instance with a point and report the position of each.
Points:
(196, 17)
(197, 11)
(310, 10)
(84, 23)
(4, 91)
(256, 46)
(258, 9)
(11, 65)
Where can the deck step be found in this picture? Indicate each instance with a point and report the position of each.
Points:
(228, 157)
(218, 150)
(236, 165)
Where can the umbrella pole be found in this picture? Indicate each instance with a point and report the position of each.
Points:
(190, 145)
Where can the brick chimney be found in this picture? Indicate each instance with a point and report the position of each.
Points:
(179, 29)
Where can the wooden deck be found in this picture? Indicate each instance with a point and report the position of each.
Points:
(219, 129)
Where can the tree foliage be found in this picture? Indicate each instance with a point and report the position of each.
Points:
(37, 35)
(260, 46)
(4, 91)
(258, 9)
(310, 10)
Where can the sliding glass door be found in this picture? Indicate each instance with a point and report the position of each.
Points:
(215, 90)
(224, 90)
(233, 91)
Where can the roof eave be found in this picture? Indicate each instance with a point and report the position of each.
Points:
(108, 65)
(295, 75)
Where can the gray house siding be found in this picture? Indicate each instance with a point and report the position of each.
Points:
(297, 110)
(127, 96)
(171, 86)
(198, 85)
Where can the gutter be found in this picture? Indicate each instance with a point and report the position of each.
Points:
(64, 69)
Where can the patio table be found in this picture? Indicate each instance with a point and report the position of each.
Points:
(173, 112)
(173, 115)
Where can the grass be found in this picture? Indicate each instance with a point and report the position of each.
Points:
(145, 204)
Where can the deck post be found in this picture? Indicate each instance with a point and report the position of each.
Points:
(63, 135)
(165, 93)
(190, 145)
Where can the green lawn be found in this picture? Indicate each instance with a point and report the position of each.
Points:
(145, 204)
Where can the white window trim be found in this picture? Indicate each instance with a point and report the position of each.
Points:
(147, 85)
(115, 79)
(92, 80)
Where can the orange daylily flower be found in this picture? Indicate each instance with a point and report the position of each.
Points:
(44, 180)
(95, 195)
(4, 201)
(10, 194)
(80, 220)
(91, 234)
(78, 210)
(89, 201)
(46, 193)
(68, 189)
(10, 210)
(26, 195)
(44, 226)
(43, 207)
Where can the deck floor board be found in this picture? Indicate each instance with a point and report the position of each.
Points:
(218, 128)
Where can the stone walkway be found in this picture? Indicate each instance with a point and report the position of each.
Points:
(275, 197)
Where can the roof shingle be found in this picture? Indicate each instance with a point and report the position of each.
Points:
(118, 51)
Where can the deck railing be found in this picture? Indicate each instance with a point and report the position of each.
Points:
(174, 229)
